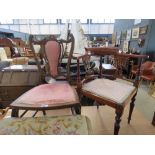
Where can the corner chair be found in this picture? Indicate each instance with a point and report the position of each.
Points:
(116, 93)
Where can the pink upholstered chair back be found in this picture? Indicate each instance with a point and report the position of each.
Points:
(50, 55)
(53, 51)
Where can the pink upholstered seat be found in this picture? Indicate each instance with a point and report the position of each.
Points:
(48, 95)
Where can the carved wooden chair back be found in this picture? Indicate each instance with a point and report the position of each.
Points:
(51, 55)
(69, 43)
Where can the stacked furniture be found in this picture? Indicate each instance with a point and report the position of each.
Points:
(15, 80)
(10, 52)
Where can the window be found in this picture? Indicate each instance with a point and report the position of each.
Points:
(103, 21)
(83, 21)
(65, 21)
(98, 21)
(23, 21)
(35, 21)
(107, 21)
(6, 21)
(112, 20)
(48, 21)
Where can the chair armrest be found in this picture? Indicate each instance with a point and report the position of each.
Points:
(84, 58)
(88, 79)
(85, 80)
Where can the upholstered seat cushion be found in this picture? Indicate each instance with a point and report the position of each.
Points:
(116, 91)
(48, 95)
(52, 125)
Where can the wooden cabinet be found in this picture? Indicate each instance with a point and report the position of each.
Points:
(16, 80)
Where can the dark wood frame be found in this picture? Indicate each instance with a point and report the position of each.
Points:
(119, 108)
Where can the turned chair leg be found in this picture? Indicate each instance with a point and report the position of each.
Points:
(23, 113)
(44, 112)
(131, 108)
(131, 76)
(153, 120)
(15, 113)
(35, 113)
(77, 109)
(119, 112)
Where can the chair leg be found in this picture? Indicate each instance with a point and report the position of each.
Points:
(119, 112)
(15, 113)
(23, 113)
(35, 113)
(44, 112)
(141, 81)
(153, 120)
(131, 108)
(97, 106)
(150, 84)
(77, 109)
(131, 76)
(72, 110)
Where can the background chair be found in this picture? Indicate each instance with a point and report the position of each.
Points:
(55, 94)
(148, 74)
(10, 52)
(148, 65)
(114, 93)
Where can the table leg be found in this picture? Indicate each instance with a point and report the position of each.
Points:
(153, 120)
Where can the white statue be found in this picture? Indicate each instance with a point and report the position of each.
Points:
(80, 39)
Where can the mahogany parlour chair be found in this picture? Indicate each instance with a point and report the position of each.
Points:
(53, 95)
(114, 93)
